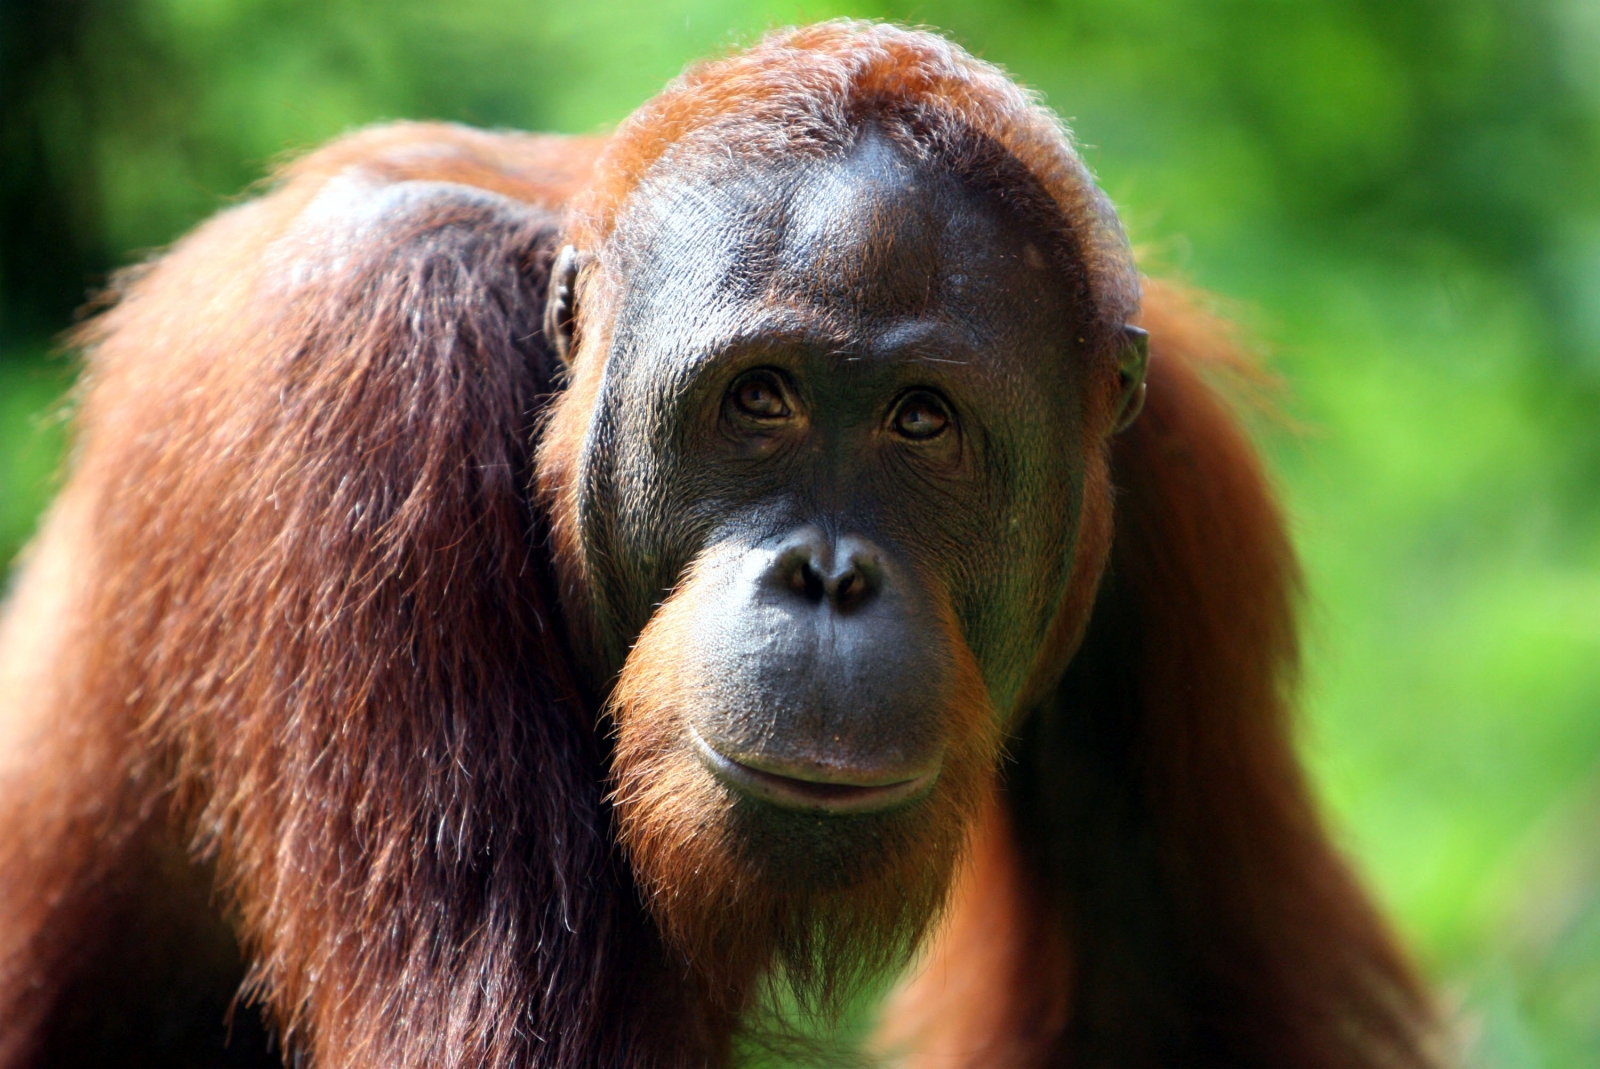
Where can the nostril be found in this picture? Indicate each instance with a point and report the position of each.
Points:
(855, 583)
(850, 590)
(804, 580)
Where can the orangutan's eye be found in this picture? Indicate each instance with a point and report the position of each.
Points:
(921, 416)
(760, 396)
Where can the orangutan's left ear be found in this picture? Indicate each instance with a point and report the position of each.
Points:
(1131, 367)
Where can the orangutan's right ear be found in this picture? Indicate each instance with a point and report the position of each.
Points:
(561, 302)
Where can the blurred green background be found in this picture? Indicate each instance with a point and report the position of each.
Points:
(1401, 199)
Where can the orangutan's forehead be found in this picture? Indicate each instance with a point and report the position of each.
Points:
(871, 231)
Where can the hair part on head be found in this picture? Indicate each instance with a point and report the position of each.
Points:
(809, 92)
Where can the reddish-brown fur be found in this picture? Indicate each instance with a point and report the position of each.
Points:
(307, 631)
(994, 985)
(288, 619)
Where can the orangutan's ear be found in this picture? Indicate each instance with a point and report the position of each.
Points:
(1131, 367)
(561, 302)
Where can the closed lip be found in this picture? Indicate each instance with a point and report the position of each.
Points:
(837, 793)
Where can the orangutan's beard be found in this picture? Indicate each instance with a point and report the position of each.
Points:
(748, 892)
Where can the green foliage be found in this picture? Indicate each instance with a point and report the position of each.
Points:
(1401, 195)
(32, 437)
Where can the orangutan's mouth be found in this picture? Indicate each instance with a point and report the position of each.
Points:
(822, 789)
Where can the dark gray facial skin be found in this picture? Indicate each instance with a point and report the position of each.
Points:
(843, 405)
